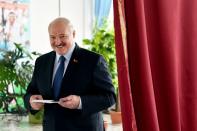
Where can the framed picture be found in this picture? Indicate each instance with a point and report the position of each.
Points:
(14, 23)
(14, 28)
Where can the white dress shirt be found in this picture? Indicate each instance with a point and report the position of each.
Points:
(56, 64)
(67, 56)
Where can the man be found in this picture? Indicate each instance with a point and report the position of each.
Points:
(84, 91)
(13, 30)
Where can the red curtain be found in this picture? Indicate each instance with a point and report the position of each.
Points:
(156, 43)
(127, 110)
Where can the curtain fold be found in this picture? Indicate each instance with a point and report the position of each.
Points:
(161, 63)
(127, 110)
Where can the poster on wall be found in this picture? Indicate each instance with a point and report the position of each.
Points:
(14, 28)
(14, 23)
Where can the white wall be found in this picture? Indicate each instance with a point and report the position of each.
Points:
(80, 14)
(42, 12)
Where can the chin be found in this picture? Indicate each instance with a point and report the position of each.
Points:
(61, 52)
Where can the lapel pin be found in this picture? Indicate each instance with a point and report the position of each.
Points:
(75, 61)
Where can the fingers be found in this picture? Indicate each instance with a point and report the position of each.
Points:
(71, 102)
(36, 106)
(36, 97)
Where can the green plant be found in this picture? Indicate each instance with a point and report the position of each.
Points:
(15, 73)
(103, 43)
(36, 118)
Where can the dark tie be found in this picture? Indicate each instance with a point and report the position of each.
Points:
(58, 77)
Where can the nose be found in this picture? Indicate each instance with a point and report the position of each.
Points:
(57, 41)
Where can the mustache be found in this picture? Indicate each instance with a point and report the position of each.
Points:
(60, 45)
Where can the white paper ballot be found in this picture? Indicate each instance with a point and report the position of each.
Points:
(44, 101)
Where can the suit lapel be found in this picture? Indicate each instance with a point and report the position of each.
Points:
(50, 66)
(73, 63)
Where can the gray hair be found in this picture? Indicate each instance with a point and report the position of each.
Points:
(61, 20)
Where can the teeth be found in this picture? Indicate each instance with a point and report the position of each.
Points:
(59, 46)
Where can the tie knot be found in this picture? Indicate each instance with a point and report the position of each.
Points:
(62, 59)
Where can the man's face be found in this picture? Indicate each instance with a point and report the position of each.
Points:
(61, 37)
(12, 18)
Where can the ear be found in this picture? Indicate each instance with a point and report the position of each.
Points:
(74, 33)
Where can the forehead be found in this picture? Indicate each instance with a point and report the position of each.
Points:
(58, 28)
(12, 15)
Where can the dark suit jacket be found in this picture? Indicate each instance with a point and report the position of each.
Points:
(86, 76)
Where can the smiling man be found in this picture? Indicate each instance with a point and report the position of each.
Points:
(75, 79)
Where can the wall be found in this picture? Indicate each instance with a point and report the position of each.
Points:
(44, 11)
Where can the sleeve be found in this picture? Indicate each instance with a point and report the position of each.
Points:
(31, 89)
(104, 94)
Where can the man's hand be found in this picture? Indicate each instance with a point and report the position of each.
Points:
(71, 102)
(34, 105)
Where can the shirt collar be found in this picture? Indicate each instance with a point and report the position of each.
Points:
(68, 54)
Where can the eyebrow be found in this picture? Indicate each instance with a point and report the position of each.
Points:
(59, 35)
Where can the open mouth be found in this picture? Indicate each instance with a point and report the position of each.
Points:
(60, 46)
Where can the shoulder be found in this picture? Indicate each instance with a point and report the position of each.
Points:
(45, 57)
(87, 54)
(89, 57)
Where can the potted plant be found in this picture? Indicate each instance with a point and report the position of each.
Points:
(15, 73)
(36, 118)
(103, 43)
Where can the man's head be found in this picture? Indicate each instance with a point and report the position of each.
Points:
(61, 35)
(11, 18)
